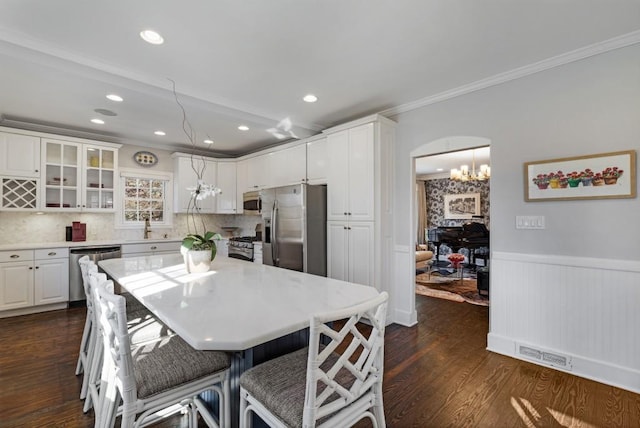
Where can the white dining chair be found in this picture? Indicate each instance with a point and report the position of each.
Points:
(142, 326)
(333, 385)
(156, 375)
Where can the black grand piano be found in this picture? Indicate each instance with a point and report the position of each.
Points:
(473, 236)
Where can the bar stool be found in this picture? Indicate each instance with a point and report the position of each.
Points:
(150, 377)
(329, 386)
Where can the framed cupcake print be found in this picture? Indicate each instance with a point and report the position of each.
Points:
(600, 176)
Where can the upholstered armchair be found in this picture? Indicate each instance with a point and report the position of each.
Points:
(423, 256)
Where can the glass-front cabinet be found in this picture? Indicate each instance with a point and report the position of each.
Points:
(61, 167)
(99, 177)
(78, 176)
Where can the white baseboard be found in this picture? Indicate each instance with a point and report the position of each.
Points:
(599, 371)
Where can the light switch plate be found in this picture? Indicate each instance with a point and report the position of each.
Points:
(530, 222)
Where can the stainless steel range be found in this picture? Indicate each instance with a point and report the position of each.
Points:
(241, 247)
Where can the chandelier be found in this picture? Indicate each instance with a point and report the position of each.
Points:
(463, 174)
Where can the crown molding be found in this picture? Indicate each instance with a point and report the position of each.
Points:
(625, 40)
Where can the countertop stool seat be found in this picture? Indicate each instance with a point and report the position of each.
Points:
(332, 385)
(155, 375)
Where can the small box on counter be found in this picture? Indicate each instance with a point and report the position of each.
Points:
(78, 231)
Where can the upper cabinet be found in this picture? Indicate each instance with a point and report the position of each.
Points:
(19, 155)
(317, 161)
(99, 177)
(226, 201)
(258, 172)
(288, 166)
(19, 171)
(351, 174)
(78, 176)
(186, 170)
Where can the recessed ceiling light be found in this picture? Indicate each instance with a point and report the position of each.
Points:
(114, 97)
(310, 98)
(208, 141)
(243, 127)
(161, 133)
(106, 112)
(152, 37)
(98, 121)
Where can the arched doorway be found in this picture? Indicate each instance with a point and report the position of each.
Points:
(436, 147)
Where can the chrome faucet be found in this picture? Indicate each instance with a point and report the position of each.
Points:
(147, 228)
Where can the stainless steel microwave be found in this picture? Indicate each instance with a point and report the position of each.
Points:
(251, 203)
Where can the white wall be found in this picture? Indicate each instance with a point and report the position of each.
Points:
(585, 107)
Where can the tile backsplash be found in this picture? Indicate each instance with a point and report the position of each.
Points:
(28, 227)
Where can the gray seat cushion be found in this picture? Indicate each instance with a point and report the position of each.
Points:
(169, 362)
(280, 384)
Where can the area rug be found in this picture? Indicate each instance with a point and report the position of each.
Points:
(450, 288)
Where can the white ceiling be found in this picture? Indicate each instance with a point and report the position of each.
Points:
(251, 62)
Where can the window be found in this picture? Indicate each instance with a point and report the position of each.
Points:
(145, 196)
(143, 199)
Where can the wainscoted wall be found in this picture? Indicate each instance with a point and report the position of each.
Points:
(50, 227)
(436, 190)
(584, 308)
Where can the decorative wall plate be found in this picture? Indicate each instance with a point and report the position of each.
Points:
(145, 158)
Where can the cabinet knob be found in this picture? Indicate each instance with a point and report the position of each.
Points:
(30, 267)
(37, 267)
(344, 227)
(153, 247)
(37, 170)
(345, 213)
(348, 213)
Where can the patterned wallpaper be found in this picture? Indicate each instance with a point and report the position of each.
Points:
(437, 188)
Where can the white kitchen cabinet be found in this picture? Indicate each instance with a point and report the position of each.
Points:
(185, 178)
(359, 203)
(259, 172)
(288, 166)
(16, 279)
(350, 178)
(226, 201)
(77, 176)
(32, 278)
(19, 194)
(317, 161)
(19, 155)
(350, 251)
(99, 177)
(222, 247)
(241, 183)
(257, 252)
(51, 276)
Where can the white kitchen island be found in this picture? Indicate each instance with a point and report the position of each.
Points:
(237, 304)
(255, 311)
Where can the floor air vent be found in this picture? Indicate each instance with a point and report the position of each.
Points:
(544, 357)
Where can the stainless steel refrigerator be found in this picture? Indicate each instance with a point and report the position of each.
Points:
(294, 228)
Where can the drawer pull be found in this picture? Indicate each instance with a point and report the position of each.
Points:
(53, 253)
(154, 247)
(15, 256)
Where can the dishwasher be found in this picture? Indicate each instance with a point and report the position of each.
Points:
(76, 286)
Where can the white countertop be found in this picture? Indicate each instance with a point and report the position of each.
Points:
(236, 305)
(80, 244)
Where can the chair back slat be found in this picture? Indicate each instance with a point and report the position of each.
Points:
(350, 366)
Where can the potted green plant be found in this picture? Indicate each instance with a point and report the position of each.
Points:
(199, 251)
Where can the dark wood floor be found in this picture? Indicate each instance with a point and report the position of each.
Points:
(437, 374)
